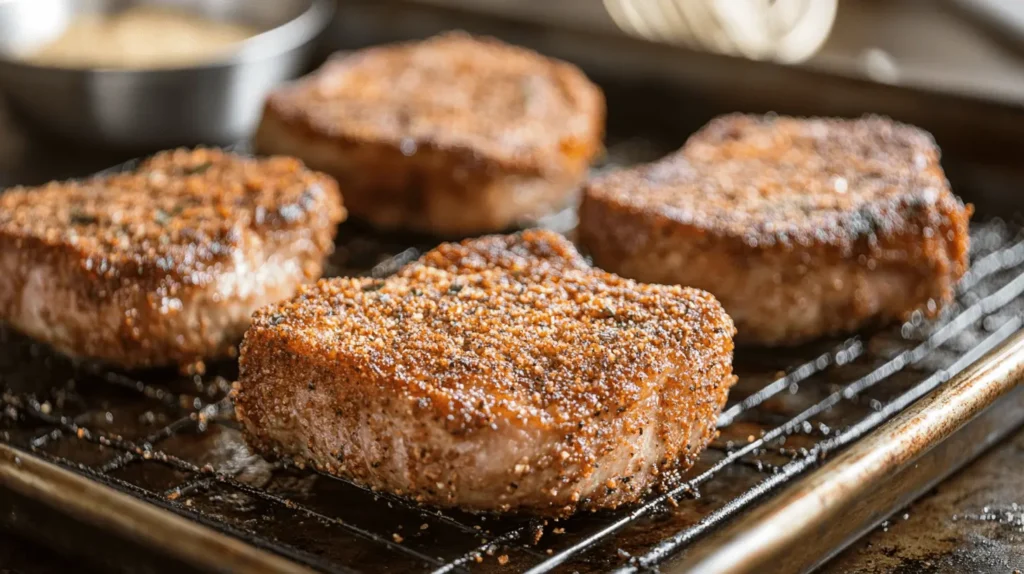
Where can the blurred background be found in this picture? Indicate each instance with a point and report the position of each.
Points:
(953, 66)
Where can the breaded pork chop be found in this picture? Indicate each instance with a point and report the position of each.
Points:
(800, 227)
(502, 373)
(165, 264)
(454, 135)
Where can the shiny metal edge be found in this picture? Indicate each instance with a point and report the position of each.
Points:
(796, 530)
(287, 35)
(808, 523)
(124, 516)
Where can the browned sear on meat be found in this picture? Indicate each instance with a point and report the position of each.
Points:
(454, 135)
(163, 264)
(801, 227)
(502, 373)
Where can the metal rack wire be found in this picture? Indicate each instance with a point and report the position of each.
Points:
(171, 440)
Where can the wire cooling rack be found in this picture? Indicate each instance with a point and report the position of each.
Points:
(171, 439)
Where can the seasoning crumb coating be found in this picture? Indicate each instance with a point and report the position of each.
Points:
(165, 264)
(454, 135)
(800, 227)
(499, 374)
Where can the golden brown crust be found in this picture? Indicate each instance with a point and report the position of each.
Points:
(477, 97)
(174, 218)
(439, 135)
(762, 211)
(520, 318)
(135, 257)
(503, 336)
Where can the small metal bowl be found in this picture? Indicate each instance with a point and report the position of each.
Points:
(146, 109)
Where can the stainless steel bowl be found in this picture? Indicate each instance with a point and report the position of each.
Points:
(215, 103)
